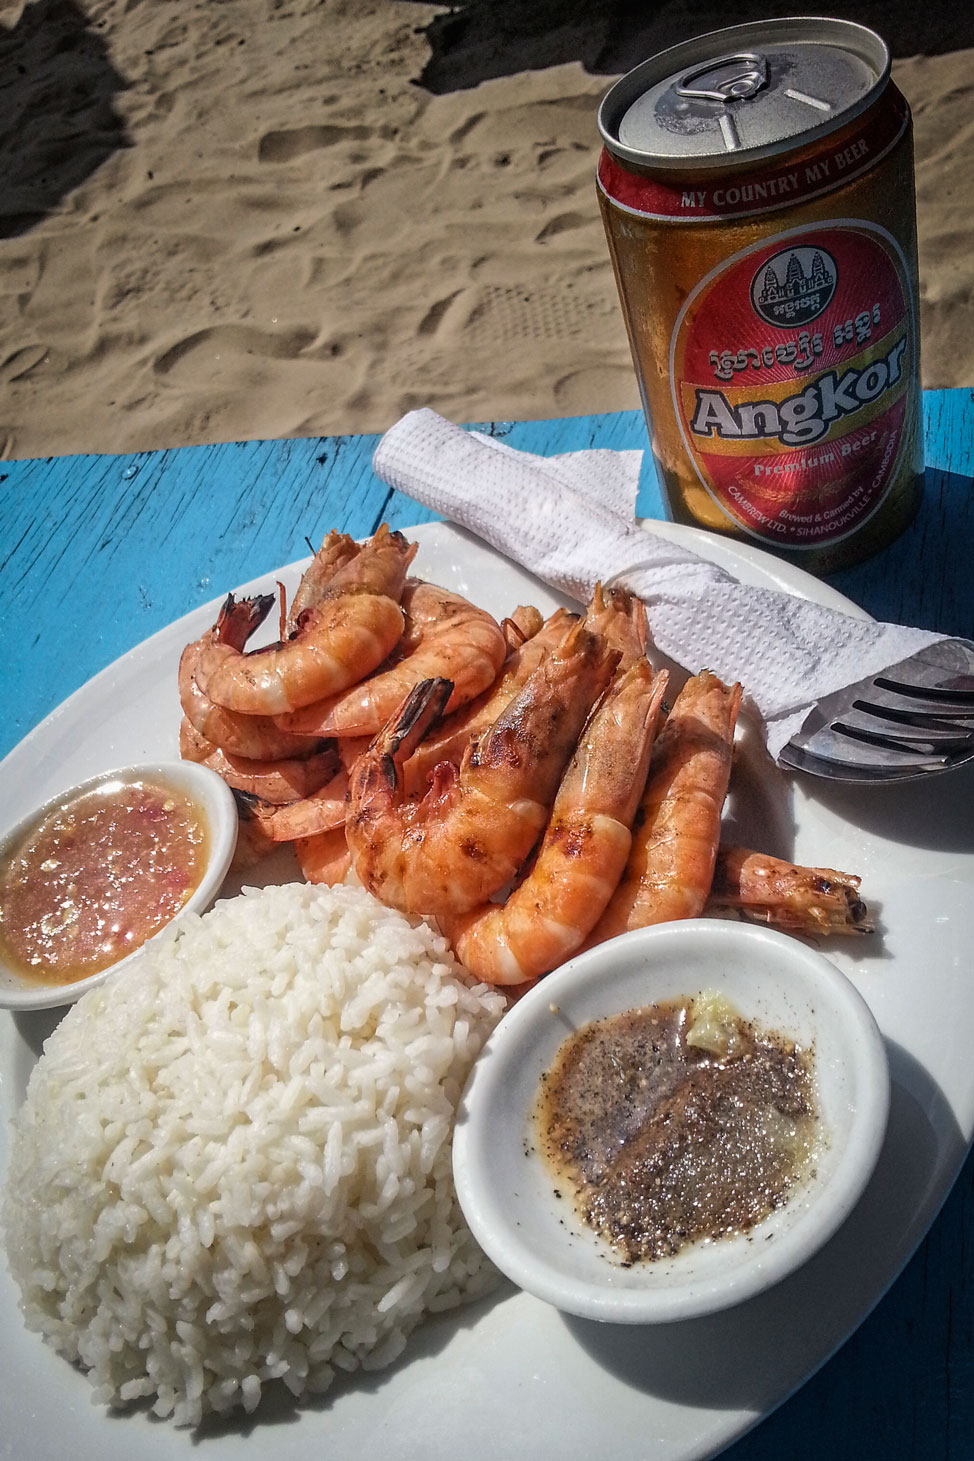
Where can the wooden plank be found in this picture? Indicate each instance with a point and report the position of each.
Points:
(98, 552)
(925, 577)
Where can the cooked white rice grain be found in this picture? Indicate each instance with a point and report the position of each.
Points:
(234, 1160)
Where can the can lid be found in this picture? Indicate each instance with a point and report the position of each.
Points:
(744, 93)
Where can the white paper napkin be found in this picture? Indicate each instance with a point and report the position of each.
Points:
(570, 520)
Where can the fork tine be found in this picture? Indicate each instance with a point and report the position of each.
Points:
(925, 719)
(892, 768)
(957, 695)
(939, 748)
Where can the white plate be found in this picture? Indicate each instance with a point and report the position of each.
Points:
(512, 1376)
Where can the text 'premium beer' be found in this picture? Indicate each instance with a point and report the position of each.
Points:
(757, 190)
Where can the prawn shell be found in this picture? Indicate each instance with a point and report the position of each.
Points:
(444, 637)
(677, 828)
(584, 849)
(275, 782)
(324, 858)
(808, 900)
(323, 810)
(278, 782)
(476, 824)
(253, 736)
(340, 639)
(339, 642)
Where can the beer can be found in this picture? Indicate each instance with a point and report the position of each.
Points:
(756, 186)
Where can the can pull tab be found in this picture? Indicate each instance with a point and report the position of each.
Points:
(728, 78)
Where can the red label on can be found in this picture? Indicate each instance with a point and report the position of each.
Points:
(779, 183)
(791, 365)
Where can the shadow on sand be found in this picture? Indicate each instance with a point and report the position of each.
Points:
(481, 39)
(57, 120)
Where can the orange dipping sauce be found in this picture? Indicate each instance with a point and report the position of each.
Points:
(96, 877)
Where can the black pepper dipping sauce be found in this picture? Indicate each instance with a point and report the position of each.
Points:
(677, 1122)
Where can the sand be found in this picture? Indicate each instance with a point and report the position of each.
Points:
(267, 218)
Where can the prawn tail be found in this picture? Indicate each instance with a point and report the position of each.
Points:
(522, 625)
(422, 708)
(248, 805)
(375, 779)
(258, 816)
(238, 620)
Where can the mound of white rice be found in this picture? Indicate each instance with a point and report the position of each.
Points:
(234, 1161)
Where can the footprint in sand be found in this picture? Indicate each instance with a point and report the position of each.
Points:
(435, 316)
(21, 362)
(495, 314)
(461, 133)
(236, 340)
(285, 146)
(565, 223)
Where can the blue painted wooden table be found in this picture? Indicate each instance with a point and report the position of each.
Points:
(99, 552)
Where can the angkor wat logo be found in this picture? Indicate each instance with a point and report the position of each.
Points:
(794, 286)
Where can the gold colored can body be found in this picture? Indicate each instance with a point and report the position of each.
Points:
(771, 304)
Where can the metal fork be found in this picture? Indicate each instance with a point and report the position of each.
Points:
(914, 719)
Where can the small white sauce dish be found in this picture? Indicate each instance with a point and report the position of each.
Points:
(214, 800)
(508, 1192)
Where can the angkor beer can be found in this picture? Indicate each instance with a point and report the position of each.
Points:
(756, 186)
